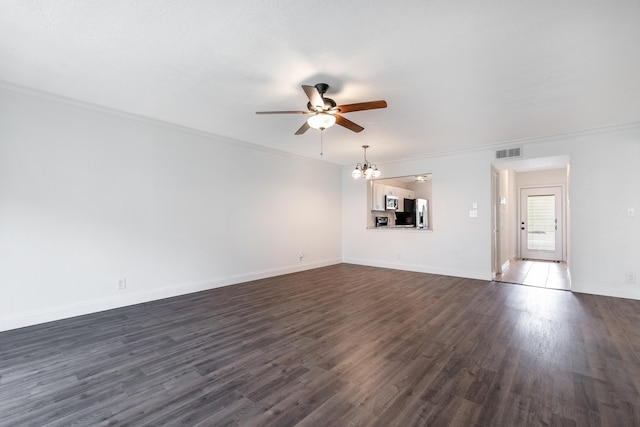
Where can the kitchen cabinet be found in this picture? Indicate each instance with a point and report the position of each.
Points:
(390, 191)
(377, 197)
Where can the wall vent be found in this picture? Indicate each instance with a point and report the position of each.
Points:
(509, 153)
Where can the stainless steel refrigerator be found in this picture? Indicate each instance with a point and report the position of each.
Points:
(422, 213)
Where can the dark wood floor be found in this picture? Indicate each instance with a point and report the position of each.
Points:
(343, 345)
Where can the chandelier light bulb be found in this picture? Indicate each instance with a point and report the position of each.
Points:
(368, 173)
(357, 172)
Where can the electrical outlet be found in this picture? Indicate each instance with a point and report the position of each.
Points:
(300, 256)
(122, 284)
(630, 277)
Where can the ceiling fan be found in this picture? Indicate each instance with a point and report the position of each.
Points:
(325, 112)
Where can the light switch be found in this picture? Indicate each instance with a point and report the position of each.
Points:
(631, 212)
(474, 205)
(473, 213)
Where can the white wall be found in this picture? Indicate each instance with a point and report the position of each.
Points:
(604, 241)
(458, 245)
(542, 178)
(88, 197)
(422, 189)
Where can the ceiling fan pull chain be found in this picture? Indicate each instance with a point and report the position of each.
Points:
(321, 142)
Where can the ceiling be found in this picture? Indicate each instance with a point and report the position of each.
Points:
(455, 74)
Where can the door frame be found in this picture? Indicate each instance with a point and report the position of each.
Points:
(496, 267)
(562, 221)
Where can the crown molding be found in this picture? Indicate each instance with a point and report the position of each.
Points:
(154, 122)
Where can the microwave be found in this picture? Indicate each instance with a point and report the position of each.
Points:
(382, 221)
(391, 202)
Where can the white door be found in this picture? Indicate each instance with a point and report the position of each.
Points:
(541, 219)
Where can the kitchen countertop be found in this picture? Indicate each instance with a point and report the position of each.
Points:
(399, 227)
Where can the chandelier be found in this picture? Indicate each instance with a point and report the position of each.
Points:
(366, 169)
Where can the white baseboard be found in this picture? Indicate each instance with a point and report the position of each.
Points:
(422, 268)
(21, 320)
(608, 291)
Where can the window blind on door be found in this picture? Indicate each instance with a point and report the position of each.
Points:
(541, 217)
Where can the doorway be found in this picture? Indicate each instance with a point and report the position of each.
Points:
(530, 222)
(541, 274)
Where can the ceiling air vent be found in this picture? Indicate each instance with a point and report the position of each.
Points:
(509, 153)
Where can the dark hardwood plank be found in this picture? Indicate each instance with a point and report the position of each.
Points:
(344, 345)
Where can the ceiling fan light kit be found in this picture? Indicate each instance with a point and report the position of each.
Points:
(366, 169)
(325, 112)
(321, 121)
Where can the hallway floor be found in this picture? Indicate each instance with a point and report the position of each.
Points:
(542, 274)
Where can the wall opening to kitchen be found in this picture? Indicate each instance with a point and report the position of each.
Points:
(403, 202)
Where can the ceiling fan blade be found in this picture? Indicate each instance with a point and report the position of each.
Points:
(283, 112)
(305, 126)
(314, 97)
(348, 124)
(371, 105)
